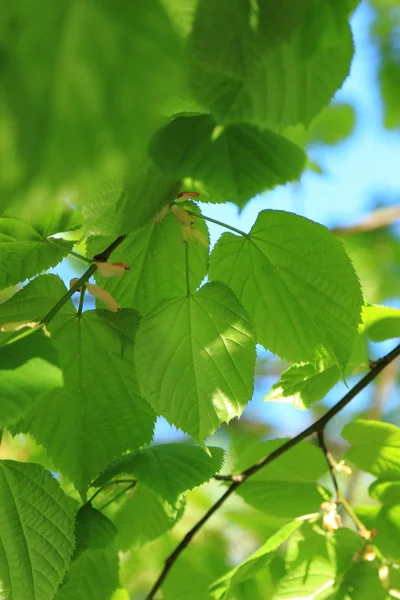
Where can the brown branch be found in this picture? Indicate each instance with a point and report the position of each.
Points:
(316, 427)
(105, 255)
(377, 219)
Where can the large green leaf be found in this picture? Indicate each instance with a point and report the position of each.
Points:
(237, 161)
(28, 369)
(249, 568)
(270, 65)
(99, 413)
(143, 518)
(168, 469)
(287, 487)
(375, 447)
(80, 80)
(205, 355)
(26, 249)
(36, 532)
(94, 576)
(296, 281)
(34, 301)
(156, 255)
(381, 322)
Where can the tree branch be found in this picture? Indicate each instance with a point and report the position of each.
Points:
(315, 428)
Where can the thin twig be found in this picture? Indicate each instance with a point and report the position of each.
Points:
(319, 425)
(121, 493)
(109, 484)
(105, 255)
(53, 242)
(331, 462)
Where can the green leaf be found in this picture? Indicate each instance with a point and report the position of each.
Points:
(362, 582)
(375, 447)
(205, 359)
(94, 576)
(99, 413)
(310, 572)
(376, 258)
(288, 486)
(124, 207)
(296, 281)
(143, 518)
(28, 369)
(73, 109)
(156, 255)
(168, 469)
(385, 491)
(93, 530)
(381, 322)
(237, 161)
(388, 526)
(242, 72)
(25, 250)
(250, 567)
(36, 532)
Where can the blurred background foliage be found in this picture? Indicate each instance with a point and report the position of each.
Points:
(47, 153)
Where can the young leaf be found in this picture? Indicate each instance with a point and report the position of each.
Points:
(388, 527)
(93, 530)
(168, 469)
(36, 532)
(249, 568)
(28, 369)
(243, 73)
(143, 518)
(205, 353)
(157, 258)
(237, 161)
(301, 385)
(375, 447)
(99, 413)
(296, 281)
(94, 576)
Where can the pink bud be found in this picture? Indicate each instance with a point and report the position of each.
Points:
(104, 296)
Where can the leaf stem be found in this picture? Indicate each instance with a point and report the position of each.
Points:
(317, 426)
(220, 223)
(187, 268)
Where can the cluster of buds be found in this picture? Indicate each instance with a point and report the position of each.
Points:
(185, 219)
(105, 269)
